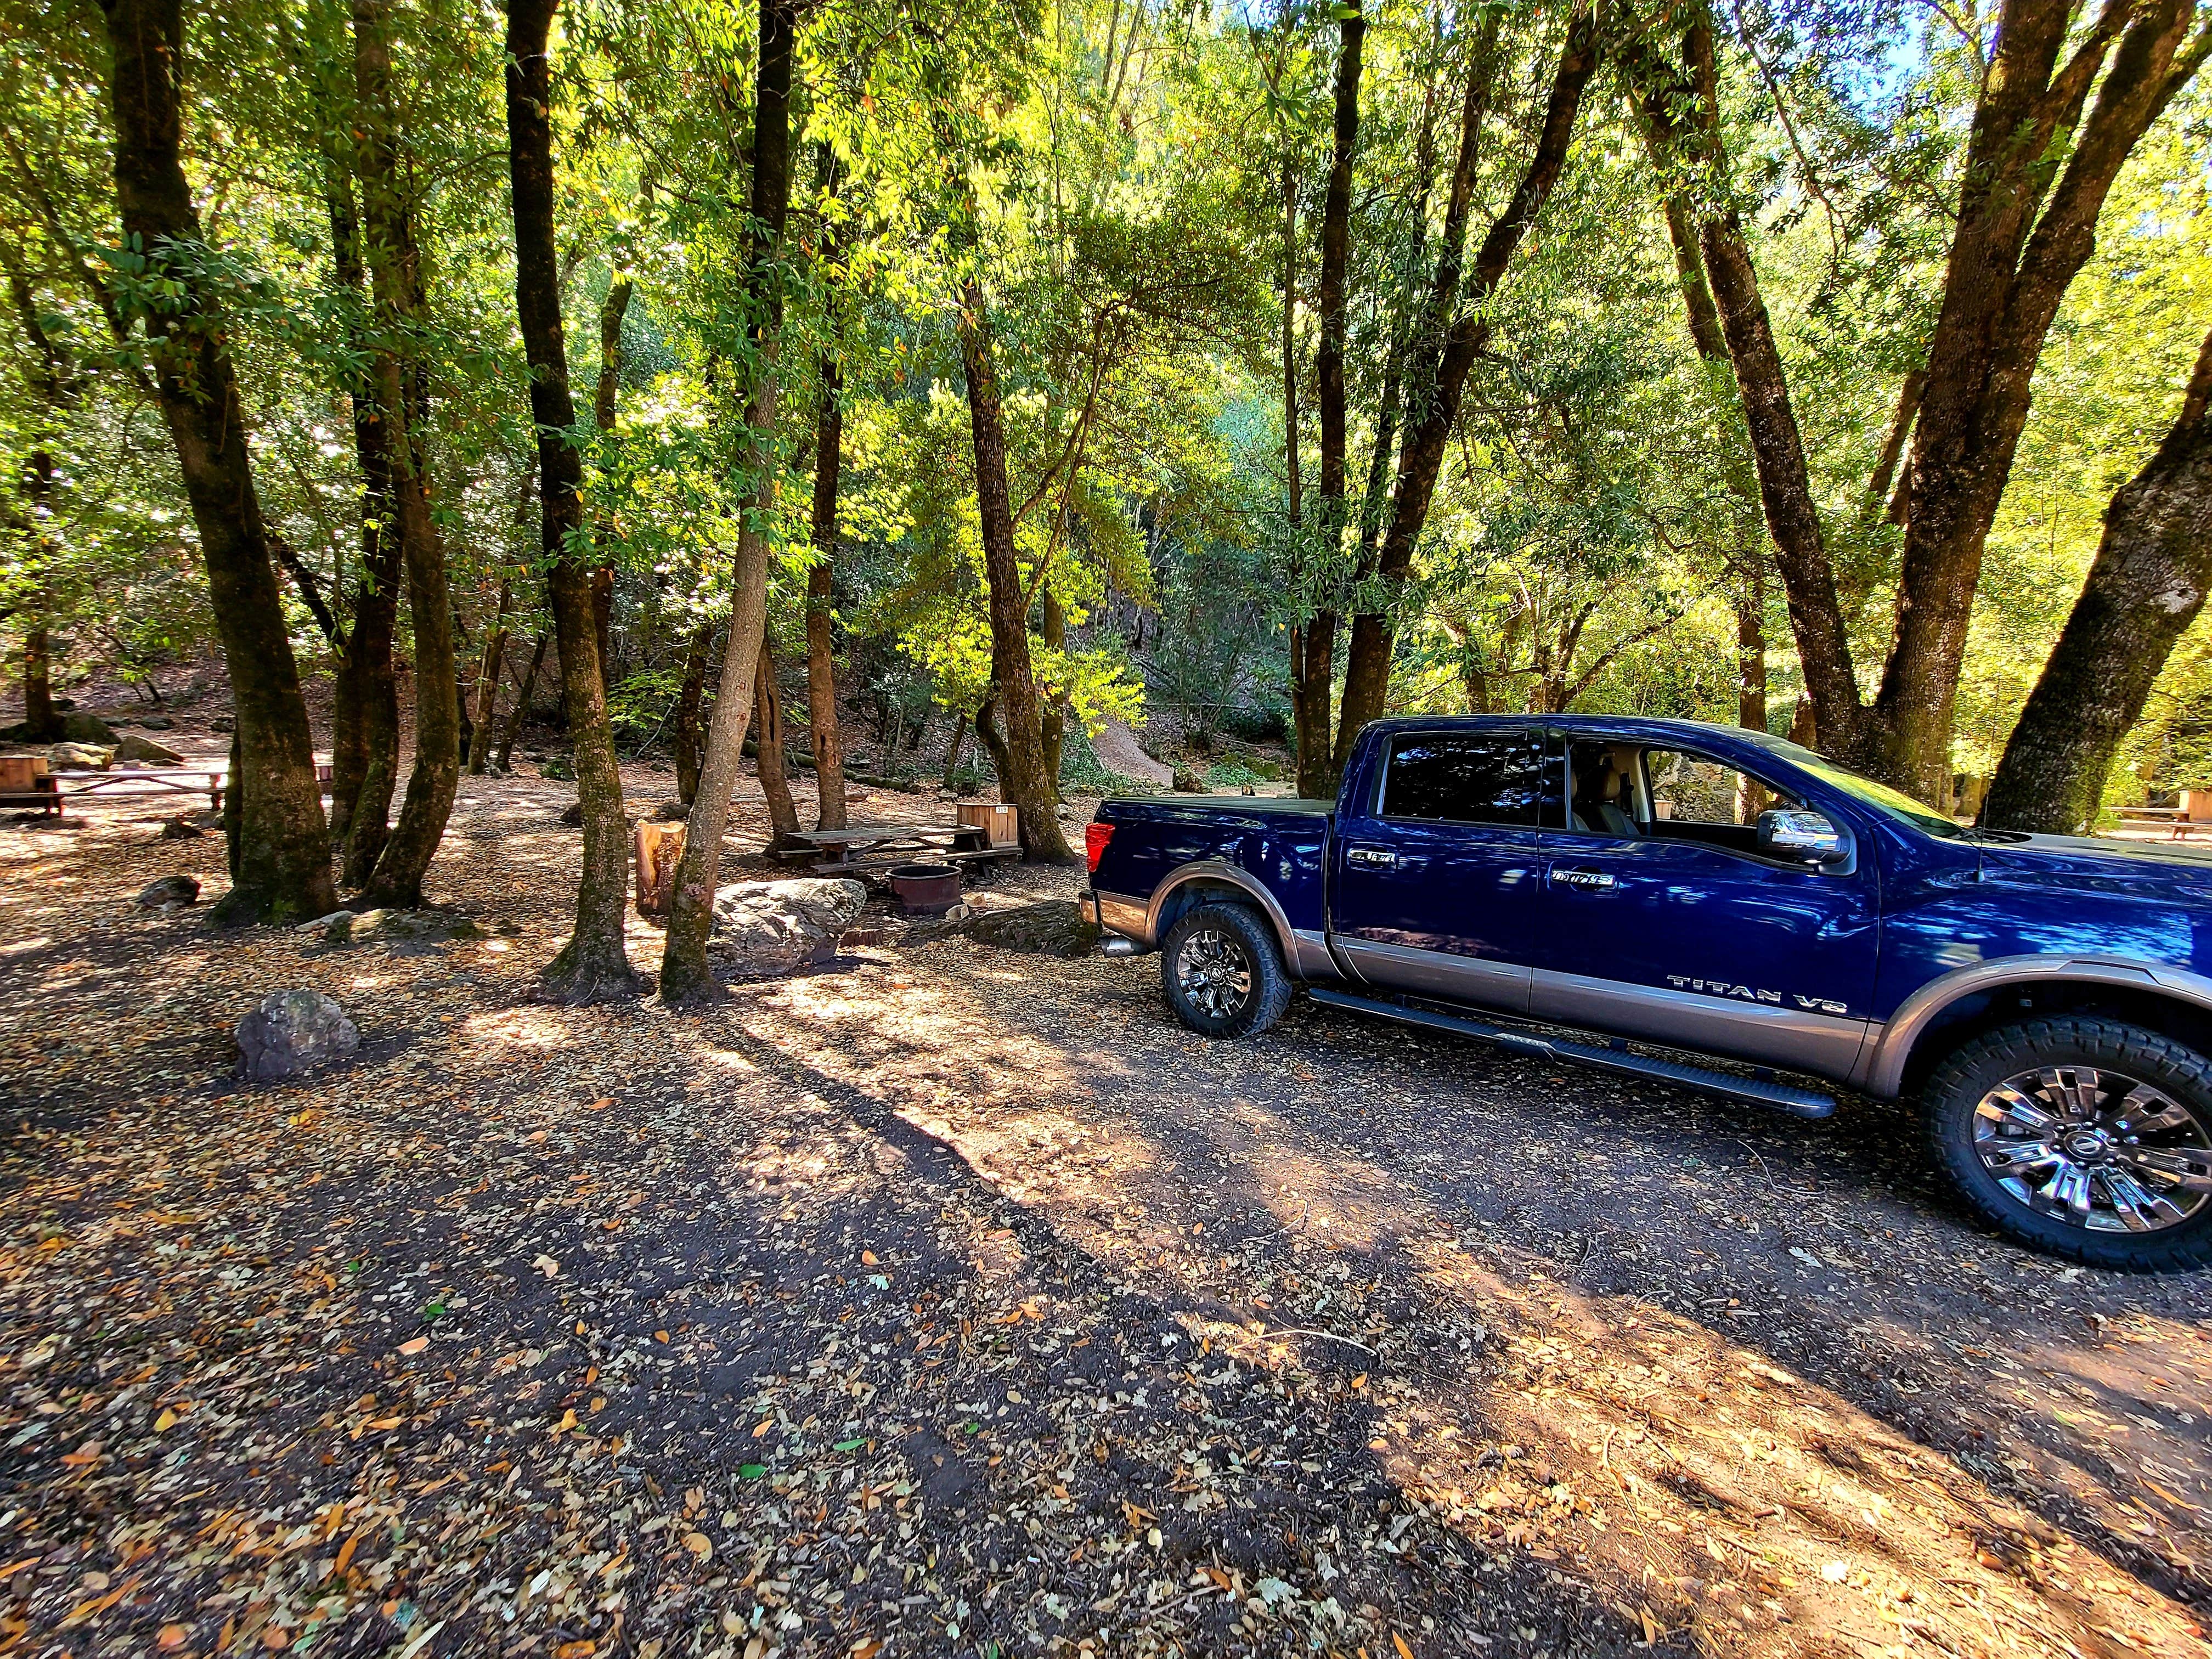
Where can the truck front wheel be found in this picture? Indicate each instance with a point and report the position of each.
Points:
(1222, 972)
(2087, 1137)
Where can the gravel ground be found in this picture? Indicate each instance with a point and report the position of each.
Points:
(953, 1301)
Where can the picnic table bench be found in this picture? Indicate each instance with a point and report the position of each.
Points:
(210, 780)
(876, 846)
(2176, 818)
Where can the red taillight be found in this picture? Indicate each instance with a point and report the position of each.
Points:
(1095, 837)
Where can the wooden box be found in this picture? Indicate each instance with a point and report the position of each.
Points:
(2196, 805)
(659, 848)
(998, 821)
(19, 774)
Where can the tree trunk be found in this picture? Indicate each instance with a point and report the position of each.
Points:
(2009, 268)
(821, 667)
(487, 698)
(688, 701)
(771, 760)
(1309, 723)
(1052, 717)
(1457, 328)
(396, 283)
(283, 872)
(1317, 770)
(2146, 587)
(1751, 655)
(502, 758)
(40, 723)
(593, 963)
(959, 743)
(605, 400)
(1023, 779)
(684, 975)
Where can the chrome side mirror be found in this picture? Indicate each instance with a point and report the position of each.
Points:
(1794, 833)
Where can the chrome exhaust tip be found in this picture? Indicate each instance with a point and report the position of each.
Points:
(1120, 945)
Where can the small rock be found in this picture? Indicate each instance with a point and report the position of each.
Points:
(324, 923)
(78, 758)
(158, 723)
(295, 1031)
(179, 829)
(170, 891)
(144, 751)
(763, 928)
(670, 812)
(1187, 782)
(573, 816)
(88, 729)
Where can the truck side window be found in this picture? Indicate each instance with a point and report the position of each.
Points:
(1697, 799)
(1473, 777)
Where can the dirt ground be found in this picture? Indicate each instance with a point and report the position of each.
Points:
(952, 1300)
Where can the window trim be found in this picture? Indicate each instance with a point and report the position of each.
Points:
(1644, 748)
(1536, 738)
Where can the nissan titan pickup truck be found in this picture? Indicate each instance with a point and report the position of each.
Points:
(1566, 888)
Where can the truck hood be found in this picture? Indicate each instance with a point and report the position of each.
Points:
(2150, 870)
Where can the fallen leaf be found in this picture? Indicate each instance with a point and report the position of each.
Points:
(171, 1636)
(1398, 1643)
(700, 1545)
(414, 1345)
(546, 1265)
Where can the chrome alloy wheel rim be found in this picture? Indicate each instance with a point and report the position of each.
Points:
(1214, 973)
(2097, 1150)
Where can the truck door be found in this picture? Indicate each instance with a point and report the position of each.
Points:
(1437, 879)
(1667, 921)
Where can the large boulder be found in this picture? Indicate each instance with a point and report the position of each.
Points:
(78, 758)
(295, 1031)
(136, 750)
(88, 729)
(763, 928)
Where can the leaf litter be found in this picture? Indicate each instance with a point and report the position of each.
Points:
(954, 1301)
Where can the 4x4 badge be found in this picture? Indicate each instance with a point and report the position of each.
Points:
(1721, 988)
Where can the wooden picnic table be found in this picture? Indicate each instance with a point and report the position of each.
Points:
(2176, 818)
(209, 780)
(874, 846)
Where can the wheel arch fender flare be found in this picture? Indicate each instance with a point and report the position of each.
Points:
(1186, 887)
(1888, 1056)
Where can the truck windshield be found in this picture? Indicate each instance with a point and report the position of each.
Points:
(1895, 803)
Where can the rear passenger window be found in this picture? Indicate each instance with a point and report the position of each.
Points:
(1473, 777)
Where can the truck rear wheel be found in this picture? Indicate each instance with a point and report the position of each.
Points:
(1222, 972)
(2087, 1137)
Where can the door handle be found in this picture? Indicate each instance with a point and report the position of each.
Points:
(1591, 880)
(1370, 855)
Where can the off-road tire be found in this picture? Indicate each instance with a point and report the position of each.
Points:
(1960, 1083)
(1239, 934)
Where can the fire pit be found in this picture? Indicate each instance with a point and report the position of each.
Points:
(926, 889)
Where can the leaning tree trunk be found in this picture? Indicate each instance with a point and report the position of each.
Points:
(2144, 590)
(283, 871)
(40, 723)
(396, 282)
(1023, 779)
(593, 963)
(1052, 717)
(821, 667)
(604, 404)
(684, 975)
(1456, 330)
(1317, 770)
(502, 759)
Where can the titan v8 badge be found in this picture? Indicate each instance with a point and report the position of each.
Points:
(1721, 988)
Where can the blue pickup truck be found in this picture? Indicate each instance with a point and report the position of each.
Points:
(1598, 883)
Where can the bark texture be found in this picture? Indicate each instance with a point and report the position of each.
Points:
(283, 866)
(773, 761)
(396, 283)
(689, 737)
(502, 759)
(481, 734)
(2146, 585)
(1457, 328)
(593, 963)
(684, 974)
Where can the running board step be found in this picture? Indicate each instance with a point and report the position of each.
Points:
(1761, 1091)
